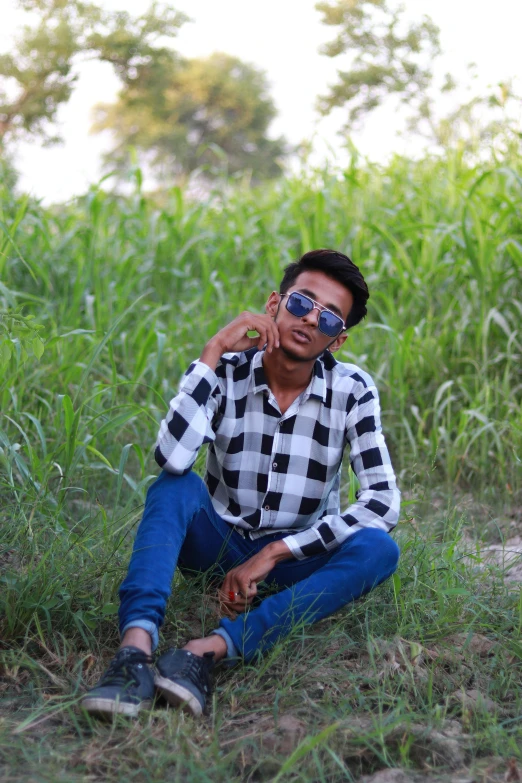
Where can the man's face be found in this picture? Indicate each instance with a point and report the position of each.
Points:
(300, 338)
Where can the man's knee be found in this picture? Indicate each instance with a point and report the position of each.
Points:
(380, 545)
(170, 483)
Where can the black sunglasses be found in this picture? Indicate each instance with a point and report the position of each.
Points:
(300, 305)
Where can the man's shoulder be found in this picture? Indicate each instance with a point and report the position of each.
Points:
(236, 365)
(346, 375)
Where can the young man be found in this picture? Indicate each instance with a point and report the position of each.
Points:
(277, 411)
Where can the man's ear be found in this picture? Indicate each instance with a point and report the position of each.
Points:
(272, 303)
(337, 343)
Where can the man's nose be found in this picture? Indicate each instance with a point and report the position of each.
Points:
(312, 317)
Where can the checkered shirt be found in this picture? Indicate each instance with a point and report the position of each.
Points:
(268, 471)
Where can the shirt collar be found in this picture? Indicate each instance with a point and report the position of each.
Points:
(316, 389)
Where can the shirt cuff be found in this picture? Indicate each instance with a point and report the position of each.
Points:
(293, 545)
(199, 372)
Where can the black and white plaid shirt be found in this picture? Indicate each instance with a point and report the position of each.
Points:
(269, 472)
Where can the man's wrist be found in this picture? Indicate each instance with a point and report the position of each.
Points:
(212, 353)
(279, 551)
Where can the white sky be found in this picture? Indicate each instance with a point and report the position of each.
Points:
(283, 38)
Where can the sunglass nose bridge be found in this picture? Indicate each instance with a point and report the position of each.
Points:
(316, 312)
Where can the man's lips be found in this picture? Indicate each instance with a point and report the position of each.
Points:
(301, 336)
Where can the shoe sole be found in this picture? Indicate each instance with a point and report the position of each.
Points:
(109, 707)
(178, 696)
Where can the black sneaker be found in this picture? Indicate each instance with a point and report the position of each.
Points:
(184, 679)
(125, 688)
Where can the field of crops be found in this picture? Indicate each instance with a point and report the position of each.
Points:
(424, 674)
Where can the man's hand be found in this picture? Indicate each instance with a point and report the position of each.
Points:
(240, 585)
(233, 337)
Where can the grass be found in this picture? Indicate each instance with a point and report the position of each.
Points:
(378, 685)
(127, 290)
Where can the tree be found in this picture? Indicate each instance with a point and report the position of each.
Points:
(387, 56)
(178, 114)
(487, 120)
(38, 76)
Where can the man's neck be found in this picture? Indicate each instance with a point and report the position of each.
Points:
(286, 377)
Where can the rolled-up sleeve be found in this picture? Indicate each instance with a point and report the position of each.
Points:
(188, 424)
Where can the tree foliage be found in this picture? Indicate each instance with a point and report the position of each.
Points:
(387, 56)
(488, 120)
(40, 72)
(177, 112)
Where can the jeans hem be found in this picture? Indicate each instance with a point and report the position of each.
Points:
(232, 656)
(146, 625)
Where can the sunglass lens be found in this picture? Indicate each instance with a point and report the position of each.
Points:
(298, 304)
(330, 324)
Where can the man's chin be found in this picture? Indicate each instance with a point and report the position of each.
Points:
(299, 357)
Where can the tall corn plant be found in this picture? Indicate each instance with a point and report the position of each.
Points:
(128, 290)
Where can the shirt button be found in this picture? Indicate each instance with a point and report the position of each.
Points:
(274, 465)
(267, 508)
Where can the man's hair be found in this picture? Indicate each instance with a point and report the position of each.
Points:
(337, 266)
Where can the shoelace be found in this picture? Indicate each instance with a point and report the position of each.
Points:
(122, 668)
(195, 666)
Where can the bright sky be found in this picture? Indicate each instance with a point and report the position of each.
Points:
(282, 37)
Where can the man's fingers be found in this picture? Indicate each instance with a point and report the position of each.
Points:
(236, 600)
(250, 589)
(235, 335)
(245, 587)
(275, 330)
(267, 330)
(230, 595)
(274, 335)
(263, 338)
(247, 593)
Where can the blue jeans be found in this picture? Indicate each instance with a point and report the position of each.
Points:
(181, 528)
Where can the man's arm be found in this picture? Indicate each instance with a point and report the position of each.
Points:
(240, 584)
(188, 424)
(378, 499)
(233, 337)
